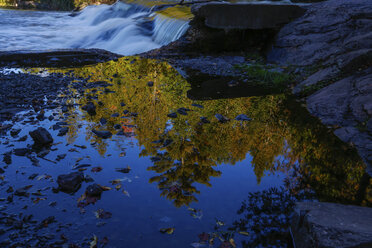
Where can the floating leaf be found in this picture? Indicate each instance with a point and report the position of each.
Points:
(123, 170)
(244, 233)
(102, 214)
(116, 181)
(93, 244)
(105, 188)
(118, 186)
(126, 193)
(96, 169)
(232, 242)
(38, 199)
(168, 230)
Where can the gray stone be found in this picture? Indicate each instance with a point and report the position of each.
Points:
(70, 183)
(41, 136)
(331, 225)
(246, 15)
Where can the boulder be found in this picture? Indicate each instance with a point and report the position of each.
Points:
(70, 183)
(246, 15)
(320, 224)
(41, 136)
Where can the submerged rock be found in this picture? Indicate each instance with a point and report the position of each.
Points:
(102, 134)
(41, 136)
(70, 183)
(94, 190)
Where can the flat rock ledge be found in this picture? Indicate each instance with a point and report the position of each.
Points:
(330, 225)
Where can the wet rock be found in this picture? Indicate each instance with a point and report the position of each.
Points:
(172, 115)
(22, 151)
(63, 131)
(88, 179)
(15, 132)
(64, 109)
(125, 112)
(150, 83)
(1, 170)
(94, 190)
(56, 127)
(60, 157)
(122, 104)
(70, 182)
(7, 158)
(115, 115)
(243, 117)
(40, 116)
(133, 114)
(103, 121)
(23, 138)
(123, 170)
(22, 191)
(183, 111)
(102, 134)
(204, 120)
(321, 224)
(61, 123)
(90, 108)
(221, 118)
(41, 136)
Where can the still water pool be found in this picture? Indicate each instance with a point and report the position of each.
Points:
(195, 179)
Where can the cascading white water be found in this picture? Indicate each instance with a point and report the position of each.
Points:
(120, 28)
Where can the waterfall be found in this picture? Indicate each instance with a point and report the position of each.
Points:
(121, 28)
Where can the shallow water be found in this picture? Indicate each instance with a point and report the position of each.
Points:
(120, 28)
(185, 175)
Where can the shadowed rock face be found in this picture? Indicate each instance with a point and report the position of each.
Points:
(334, 38)
(246, 16)
(317, 224)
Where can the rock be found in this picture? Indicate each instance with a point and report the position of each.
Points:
(15, 132)
(22, 151)
(41, 136)
(204, 120)
(2, 170)
(117, 126)
(150, 83)
(22, 191)
(23, 138)
(183, 111)
(172, 115)
(197, 105)
(221, 118)
(123, 170)
(94, 190)
(63, 131)
(102, 134)
(70, 183)
(60, 157)
(331, 225)
(7, 158)
(103, 121)
(245, 15)
(90, 108)
(115, 115)
(243, 117)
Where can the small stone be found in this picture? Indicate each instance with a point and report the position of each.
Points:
(150, 83)
(23, 138)
(102, 134)
(70, 182)
(94, 190)
(243, 117)
(22, 151)
(41, 136)
(172, 115)
(63, 131)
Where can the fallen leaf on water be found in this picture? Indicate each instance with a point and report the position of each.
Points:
(82, 198)
(116, 181)
(123, 170)
(232, 242)
(126, 193)
(43, 177)
(118, 186)
(105, 188)
(93, 244)
(38, 199)
(244, 233)
(79, 159)
(168, 230)
(102, 214)
(96, 169)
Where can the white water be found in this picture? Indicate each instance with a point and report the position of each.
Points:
(119, 28)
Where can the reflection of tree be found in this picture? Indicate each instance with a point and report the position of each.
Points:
(280, 135)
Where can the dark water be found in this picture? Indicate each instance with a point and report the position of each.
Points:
(208, 183)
